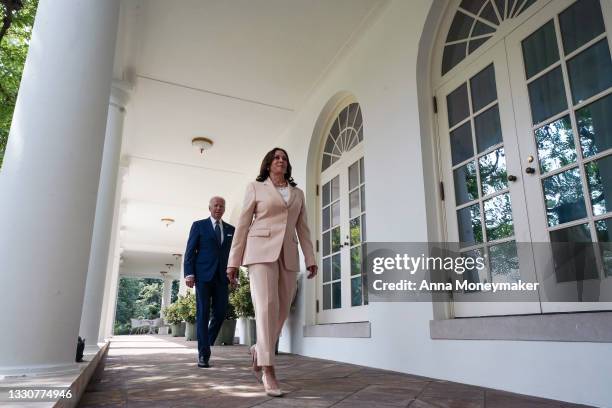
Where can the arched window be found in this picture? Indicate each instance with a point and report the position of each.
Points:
(345, 133)
(526, 150)
(474, 23)
(342, 217)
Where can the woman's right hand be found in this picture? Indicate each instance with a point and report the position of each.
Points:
(232, 275)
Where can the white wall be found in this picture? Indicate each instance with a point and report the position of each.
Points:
(381, 71)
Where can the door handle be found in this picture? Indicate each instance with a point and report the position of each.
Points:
(530, 170)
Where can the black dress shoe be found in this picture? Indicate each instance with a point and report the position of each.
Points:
(203, 363)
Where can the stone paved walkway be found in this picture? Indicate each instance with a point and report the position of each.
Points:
(160, 371)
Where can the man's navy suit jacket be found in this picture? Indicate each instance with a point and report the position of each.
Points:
(204, 256)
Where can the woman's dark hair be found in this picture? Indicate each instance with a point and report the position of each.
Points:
(264, 170)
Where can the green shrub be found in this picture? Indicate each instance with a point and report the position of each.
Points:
(240, 297)
(172, 315)
(187, 307)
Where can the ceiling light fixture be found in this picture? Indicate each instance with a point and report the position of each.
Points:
(201, 143)
(167, 221)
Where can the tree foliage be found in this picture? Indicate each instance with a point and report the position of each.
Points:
(138, 299)
(17, 21)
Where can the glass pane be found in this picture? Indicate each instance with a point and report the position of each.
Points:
(555, 143)
(547, 96)
(356, 291)
(573, 254)
(460, 27)
(504, 263)
(356, 260)
(353, 108)
(470, 225)
(363, 228)
(540, 49)
(326, 269)
(599, 177)
(335, 247)
(335, 188)
(336, 267)
(474, 274)
(481, 29)
(461, 143)
(325, 218)
(353, 175)
(336, 295)
(493, 174)
(483, 88)
(361, 171)
(453, 54)
(355, 231)
(590, 72)
(326, 297)
(524, 7)
(329, 144)
(488, 128)
(458, 108)
(325, 192)
(474, 44)
(595, 126)
(498, 217)
(604, 236)
(326, 245)
(326, 161)
(580, 23)
(335, 213)
(501, 5)
(473, 6)
(564, 197)
(488, 13)
(363, 205)
(354, 203)
(465, 183)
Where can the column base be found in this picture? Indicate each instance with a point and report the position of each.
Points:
(40, 370)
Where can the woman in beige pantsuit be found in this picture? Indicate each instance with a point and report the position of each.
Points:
(265, 241)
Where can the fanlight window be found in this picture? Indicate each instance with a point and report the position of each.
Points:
(474, 23)
(346, 132)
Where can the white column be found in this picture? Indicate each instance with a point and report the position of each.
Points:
(105, 331)
(111, 290)
(49, 182)
(103, 223)
(182, 285)
(166, 293)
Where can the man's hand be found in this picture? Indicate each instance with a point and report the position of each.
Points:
(312, 269)
(232, 275)
(190, 281)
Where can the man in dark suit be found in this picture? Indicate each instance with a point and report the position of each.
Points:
(206, 256)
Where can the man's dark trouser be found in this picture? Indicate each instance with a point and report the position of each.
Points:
(216, 291)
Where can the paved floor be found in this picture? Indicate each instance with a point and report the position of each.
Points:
(160, 371)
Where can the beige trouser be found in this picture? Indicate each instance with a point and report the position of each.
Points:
(272, 290)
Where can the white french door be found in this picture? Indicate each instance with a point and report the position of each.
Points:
(561, 78)
(485, 201)
(526, 153)
(341, 231)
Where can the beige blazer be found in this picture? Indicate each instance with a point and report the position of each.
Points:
(268, 224)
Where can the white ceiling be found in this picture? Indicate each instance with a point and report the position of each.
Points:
(236, 71)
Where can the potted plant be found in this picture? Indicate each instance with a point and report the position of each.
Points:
(174, 319)
(240, 298)
(187, 310)
(228, 328)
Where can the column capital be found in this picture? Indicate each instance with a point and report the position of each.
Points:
(120, 94)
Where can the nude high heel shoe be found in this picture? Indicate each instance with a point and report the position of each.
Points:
(272, 392)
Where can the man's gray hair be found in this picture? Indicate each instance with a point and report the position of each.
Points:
(216, 198)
